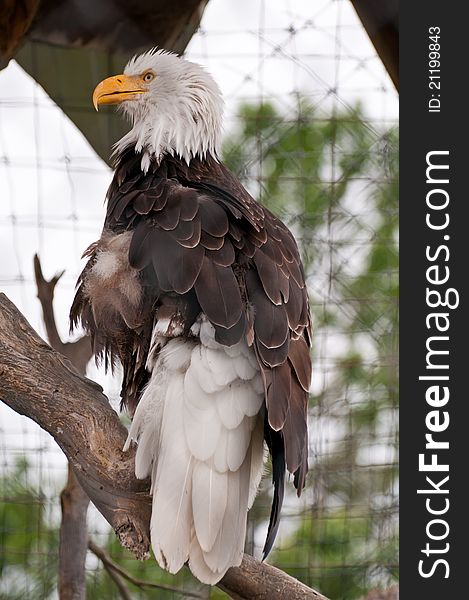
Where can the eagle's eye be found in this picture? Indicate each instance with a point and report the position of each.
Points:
(148, 76)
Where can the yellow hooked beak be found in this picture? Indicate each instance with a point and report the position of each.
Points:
(118, 88)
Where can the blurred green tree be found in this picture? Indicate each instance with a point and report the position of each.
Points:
(28, 541)
(334, 182)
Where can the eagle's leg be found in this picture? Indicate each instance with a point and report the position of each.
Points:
(199, 427)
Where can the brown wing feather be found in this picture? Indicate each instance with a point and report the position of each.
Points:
(279, 283)
(218, 294)
(301, 362)
(278, 392)
(270, 324)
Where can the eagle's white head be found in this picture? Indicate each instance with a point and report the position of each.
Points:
(175, 106)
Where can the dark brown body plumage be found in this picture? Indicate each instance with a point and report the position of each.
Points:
(198, 242)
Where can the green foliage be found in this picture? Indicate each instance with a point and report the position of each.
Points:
(338, 544)
(334, 182)
(28, 550)
(329, 541)
(291, 156)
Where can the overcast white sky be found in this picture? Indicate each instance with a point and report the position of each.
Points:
(52, 185)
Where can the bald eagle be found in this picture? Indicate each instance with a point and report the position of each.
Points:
(199, 293)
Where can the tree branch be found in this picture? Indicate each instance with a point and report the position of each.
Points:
(38, 382)
(107, 561)
(73, 500)
(73, 540)
(42, 384)
(113, 574)
(45, 293)
(80, 351)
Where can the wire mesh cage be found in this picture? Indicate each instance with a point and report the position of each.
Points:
(311, 131)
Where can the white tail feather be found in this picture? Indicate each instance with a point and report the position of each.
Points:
(171, 517)
(199, 428)
(209, 497)
(199, 567)
(258, 457)
(229, 545)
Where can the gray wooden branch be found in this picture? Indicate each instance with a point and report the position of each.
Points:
(79, 352)
(42, 384)
(73, 542)
(74, 502)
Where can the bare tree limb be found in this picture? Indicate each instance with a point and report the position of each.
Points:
(254, 580)
(73, 500)
(107, 560)
(45, 293)
(40, 383)
(73, 535)
(116, 578)
(78, 352)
